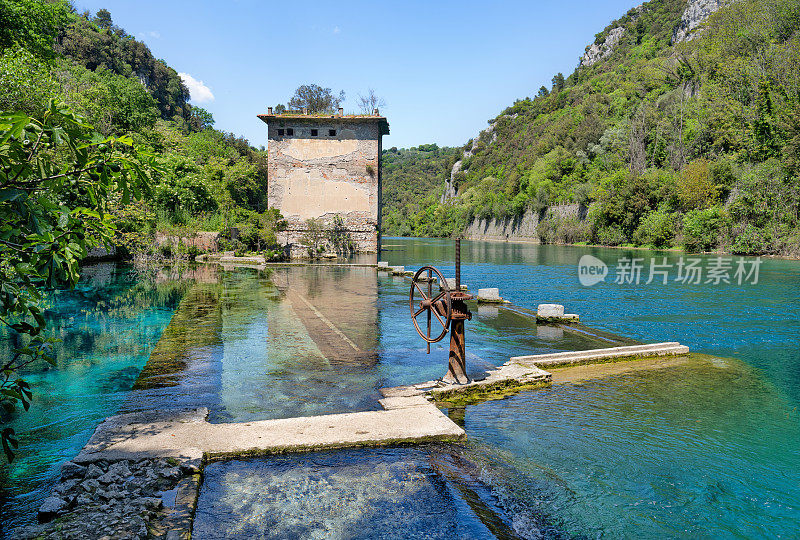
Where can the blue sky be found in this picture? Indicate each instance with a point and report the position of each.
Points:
(443, 68)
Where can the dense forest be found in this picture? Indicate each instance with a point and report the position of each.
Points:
(693, 144)
(412, 183)
(202, 178)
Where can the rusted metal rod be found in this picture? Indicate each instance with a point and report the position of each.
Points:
(458, 264)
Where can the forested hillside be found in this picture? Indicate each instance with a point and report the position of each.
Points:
(412, 183)
(203, 178)
(692, 144)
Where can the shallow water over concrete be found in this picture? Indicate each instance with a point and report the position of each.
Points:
(309, 340)
(386, 493)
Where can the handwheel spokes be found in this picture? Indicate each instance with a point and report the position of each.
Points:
(424, 296)
(438, 297)
(439, 304)
(433, 310)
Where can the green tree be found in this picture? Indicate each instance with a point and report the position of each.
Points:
(32, 24)
(200, 119)
(316, 99)
(57, 181)
(558, 82)
(103, 19)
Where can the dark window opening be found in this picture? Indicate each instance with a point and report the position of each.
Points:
(332, 132)
(289, 131)
(280, 132)
(314, 132)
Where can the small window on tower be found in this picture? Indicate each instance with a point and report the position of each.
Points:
(280, 132)
(332, 132)
(314, 132)
(289, 131)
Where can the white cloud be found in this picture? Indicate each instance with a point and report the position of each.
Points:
(151, 34)
(200, 93)
(337, 30)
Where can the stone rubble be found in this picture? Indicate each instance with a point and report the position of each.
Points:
(125, 499)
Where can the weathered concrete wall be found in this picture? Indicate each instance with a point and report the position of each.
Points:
(520, 227)
(204, 241)
(324, 176)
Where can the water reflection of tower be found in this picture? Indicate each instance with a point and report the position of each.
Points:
(337, 308)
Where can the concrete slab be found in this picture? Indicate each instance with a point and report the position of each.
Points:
(525, 372)
(595, 355)
(550, 310)
(185, 435)
(404, 402)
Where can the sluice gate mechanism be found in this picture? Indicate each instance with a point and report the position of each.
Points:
(446, 310)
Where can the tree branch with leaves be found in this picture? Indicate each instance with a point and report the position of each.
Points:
(58, 180)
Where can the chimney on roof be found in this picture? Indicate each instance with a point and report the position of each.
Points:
(375, 112)
(341, 111)
(269, 111)
(305, 110)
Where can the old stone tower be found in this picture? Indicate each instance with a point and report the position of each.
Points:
(324, 165)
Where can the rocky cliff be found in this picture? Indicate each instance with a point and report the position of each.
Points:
(522, 227)
(695, 14)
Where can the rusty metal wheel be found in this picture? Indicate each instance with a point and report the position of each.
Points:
(437, 307)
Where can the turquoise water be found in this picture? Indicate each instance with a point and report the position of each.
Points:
(759, 324)
(384, 493)
(697, 451)
(708, 448)
(108, 324)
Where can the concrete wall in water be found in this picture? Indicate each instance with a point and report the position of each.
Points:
(322, 167)
(520, 227)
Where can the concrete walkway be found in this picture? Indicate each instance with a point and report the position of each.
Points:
(187, 434)
(593, 355)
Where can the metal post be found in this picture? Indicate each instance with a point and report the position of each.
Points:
(457, 364)
(458, 264)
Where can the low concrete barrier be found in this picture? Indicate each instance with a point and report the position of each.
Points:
(595, 355)
(490, 295)
(554, 313)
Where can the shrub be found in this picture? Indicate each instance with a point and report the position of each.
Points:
(696, 187)
(702, 228)
(750, 241)
(656, 229)
(609, 235)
